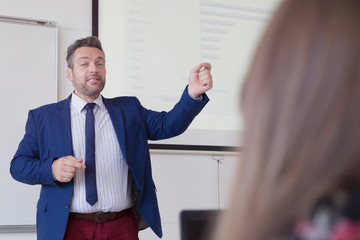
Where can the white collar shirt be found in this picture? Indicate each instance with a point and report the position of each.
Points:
(111, 169)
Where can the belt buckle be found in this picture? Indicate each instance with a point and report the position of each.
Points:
(99, 217)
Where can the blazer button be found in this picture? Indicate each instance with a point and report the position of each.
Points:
(66, 205)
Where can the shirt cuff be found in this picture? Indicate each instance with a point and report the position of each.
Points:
(197, 99)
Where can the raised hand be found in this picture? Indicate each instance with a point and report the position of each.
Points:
(200, 80)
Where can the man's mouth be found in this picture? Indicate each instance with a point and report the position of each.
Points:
(93, 78)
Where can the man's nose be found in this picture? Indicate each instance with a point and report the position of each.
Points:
(93, 68)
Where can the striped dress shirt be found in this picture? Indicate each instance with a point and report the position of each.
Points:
(111, 169)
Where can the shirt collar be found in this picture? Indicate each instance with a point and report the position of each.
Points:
(79, 103)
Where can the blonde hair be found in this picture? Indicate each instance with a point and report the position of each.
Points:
(301, 104)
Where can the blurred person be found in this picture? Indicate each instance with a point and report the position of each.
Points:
(300, 175)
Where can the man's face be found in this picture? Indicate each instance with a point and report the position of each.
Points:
(88, 73)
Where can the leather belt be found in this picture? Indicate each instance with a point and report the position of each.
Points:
(99, 216)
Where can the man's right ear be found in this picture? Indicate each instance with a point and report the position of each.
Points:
(69, 74)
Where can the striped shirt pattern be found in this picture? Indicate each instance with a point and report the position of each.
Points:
(111, 169)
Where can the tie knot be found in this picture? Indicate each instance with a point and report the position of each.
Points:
(90, 106)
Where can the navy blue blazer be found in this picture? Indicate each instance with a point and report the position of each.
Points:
(48, 137)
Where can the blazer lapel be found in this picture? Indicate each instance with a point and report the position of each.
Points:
(117, 119)
(63, 117)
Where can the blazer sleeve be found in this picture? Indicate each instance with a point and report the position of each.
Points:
(27, 166)
(162, 125)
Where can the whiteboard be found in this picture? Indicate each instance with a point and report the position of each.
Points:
(151, 46)
(28, 80)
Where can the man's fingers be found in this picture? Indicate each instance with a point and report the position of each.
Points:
(201, 67)
(74, 162)
(206, 66)
(205, 76)
(71, 169)
(206, 82)
(65, 178)
(204, 72)
(79, 165)
(196, 69)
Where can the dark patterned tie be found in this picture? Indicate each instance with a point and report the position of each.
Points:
(90, 172)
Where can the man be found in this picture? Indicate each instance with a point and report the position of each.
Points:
(113, 195)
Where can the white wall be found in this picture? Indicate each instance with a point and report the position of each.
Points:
(189, 181)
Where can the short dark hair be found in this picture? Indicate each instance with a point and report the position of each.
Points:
(91, 41)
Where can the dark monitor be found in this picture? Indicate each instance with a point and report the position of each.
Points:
(197, 224)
